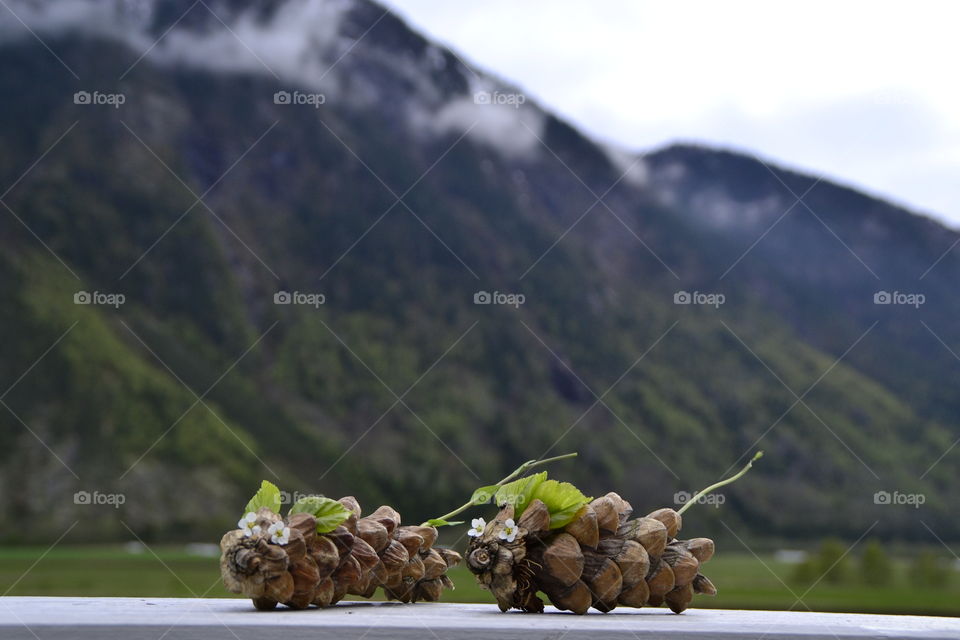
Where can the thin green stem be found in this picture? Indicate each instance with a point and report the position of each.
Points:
(692, 501)
(529, 464)
(519, 471)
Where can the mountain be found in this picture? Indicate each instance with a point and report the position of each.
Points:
(201, 159)
(838, 246)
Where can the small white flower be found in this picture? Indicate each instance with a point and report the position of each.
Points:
(478, 526)
(279, 533)
(509, 532)
(248, 524)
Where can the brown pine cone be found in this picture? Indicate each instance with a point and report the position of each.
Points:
(287, 561)
(601, 559)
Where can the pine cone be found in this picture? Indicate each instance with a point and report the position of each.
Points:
(321, 569)
(600, 559)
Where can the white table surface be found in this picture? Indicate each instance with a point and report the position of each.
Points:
(25, 618)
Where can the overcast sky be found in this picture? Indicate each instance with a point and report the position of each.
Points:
(864, 93)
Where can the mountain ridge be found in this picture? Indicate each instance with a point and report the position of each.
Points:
(783, 165)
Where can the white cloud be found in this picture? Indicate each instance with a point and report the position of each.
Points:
(499, 116)
(512, 130)
(862, 91)
(297, 43)
(631, 166)
(300, 44)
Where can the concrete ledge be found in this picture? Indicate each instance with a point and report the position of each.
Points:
(216, 619)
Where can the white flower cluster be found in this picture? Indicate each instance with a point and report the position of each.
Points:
(508, 533)
(279, 533)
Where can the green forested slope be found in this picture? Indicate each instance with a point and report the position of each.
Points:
(308, 394)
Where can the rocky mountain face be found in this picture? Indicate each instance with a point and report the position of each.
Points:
(288, 219)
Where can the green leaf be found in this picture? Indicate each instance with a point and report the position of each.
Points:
(563, 500)
(483, 495)
(268, 496)
(520, 492)
(440, 522)
(329, 513)
(564, 517)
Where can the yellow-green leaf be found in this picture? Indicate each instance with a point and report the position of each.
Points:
(329, 513)
(268, 496)
(563, 500)
(520, 492)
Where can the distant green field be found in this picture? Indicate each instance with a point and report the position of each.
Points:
(744, 582)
